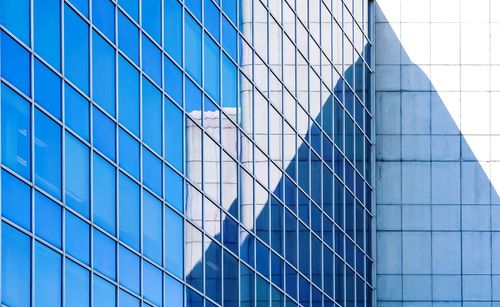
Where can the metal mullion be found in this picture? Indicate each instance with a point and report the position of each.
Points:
(32, 147)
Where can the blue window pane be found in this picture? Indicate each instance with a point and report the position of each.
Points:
(15, 16)
(104, 254)
(193, 47)
(129, 153)
(193, 97)
(173, 292)
(104, 294)
(151, 171)
(103, 16)
(47, 154)
(173, 80)
(76, 49)
(212, 19)
(47, 27)
(173, 29)
(16, 132)
(174, 242)
(48, 220)
(127, 300)
(47, 276)
(105, 139)
(104, 194)
(128, 95)
(173, 135)
(77, 175)
(151, 115)
(229, 83)
(76, 112)
(129, 270)
(212, 68)
(82, 6)
(151, 18)
(77, 288)
(129, 212)
(229, 7)
(213, 270)
(103, 73)
(77, 238)
(132, 8)
(152, 228)
(194, 253)
(229, 38)
(173, 188)
(47, 89)
(151, 60)
(16, 69)
(128, 38)
(16, 265)
(195, 7)
(16, 200)
(152, 284)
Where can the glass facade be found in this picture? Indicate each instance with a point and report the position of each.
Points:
(186, 153)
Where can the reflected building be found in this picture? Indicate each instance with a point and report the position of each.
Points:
(186, 153)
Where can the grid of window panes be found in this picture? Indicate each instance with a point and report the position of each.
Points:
(196, 153)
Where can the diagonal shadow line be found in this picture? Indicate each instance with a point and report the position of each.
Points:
(450, 165)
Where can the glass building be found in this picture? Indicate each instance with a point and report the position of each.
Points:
(186, 153)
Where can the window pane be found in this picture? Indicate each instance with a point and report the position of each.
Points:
(212, 67)
(77, 285)
(131, 6)
(194, 253)
(195, 7)
(77, 175)
(173, 188)
(152, 228)
(173, 29)
(152, 284)
(229, 83)
(193, 47)
(104, 194)
(47, 154)
(151, 115)
(104, 293)
(103, 73)
(174, 242)
(151, 171)
(151, 18)
(212, 19)
(15, 16)
(103, 16)
(213, 270)
(48, 220)
(76, 112)
(151, 59)
(127, 300)
(47, 89)
(129, 212)
(77, 238)
(192, 100)
(173, 135)
(105, 139)
(82, 6)
(229, 38)
(76, 46)
(129, 270)
(104, 254)
(173, 80)
(47, 27)
(230, 280)
(229, 7)
(17, 69)
(129, 153)
(48, 275)
(128, 37)
(128, 95)
(16, 200)
(173, 291)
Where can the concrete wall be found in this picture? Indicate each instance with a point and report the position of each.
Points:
(438, 152)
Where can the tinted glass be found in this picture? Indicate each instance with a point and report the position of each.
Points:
(129, 270)
(76, 109)
(76, 49)
(48, 220)
(104, 194)
(151, 18)
(103, 73)
(104, 254)
(212, 68)
(77, 174)
(151, 59)
(174, 242)
(152, 228)
(151, 171)
(212, 19)
(17, 69)
(77, 238)
(48, 275)
(16, 200)
(47, 154)
(15, 16)
(77, 290)
(151, 115)
(153, 286)
(229, 38)
(103, 16)
(128, 37)
(173, 80)
(129, 153)
(193, 47)
(173, 29)
(128, 95)
(47, 89)
(173, 135)
(104, 293)
(173, 188)
(82, 6)
(129, 211)
(195, 7)
(229, 83)
(173, 291)
(131, 6)
(127, 300)
(105, 139)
